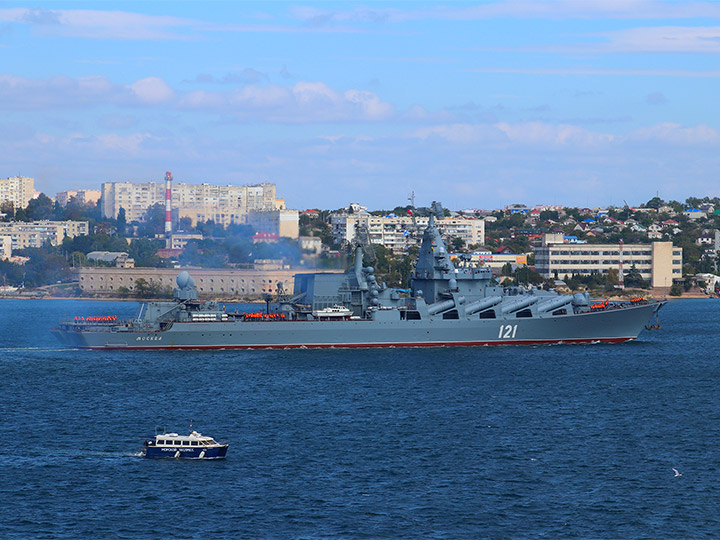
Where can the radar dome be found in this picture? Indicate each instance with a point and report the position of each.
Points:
(185, 281)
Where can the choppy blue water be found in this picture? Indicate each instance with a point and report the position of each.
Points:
(512, 442)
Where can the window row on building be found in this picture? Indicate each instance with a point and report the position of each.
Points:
(35, 234)
(207, 281)
(17, 190)
(659, 262)
(196, 199)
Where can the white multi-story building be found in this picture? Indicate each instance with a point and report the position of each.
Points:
(18, 190)
(5, 247)
(199, 202)
(397, 233)
(285, 223)
(344, 224)
(659, 263)
(85, 196)
(36, 233)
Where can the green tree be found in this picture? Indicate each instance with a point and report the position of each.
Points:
(141, 288)
(611, 279)
(153, 221)
(7, 208)
(655, 202)
(457, 244)
(39, 208)
(633, 279)
(121, 222)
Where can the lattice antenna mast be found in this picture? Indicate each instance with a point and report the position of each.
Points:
(411, 198)
(362, 239)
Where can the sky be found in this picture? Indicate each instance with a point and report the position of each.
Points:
(475, 104)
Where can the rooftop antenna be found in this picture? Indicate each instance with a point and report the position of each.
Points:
(411, 198)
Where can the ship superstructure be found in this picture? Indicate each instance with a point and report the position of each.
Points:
(447, 305)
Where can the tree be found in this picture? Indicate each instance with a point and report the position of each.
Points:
(7, 208)
(121, 223)
(39, 209)
(153, 221)
(655, 202)
(633, 279)
(611, 279)
(693, 202)
(457, 244)
(142, 288)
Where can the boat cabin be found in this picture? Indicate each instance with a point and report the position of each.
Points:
(174, 440)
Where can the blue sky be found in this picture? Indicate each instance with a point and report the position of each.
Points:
(479, 105)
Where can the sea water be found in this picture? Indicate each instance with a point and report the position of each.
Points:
(575, 441)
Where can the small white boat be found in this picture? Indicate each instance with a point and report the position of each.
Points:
(192, 446)
(333, 312)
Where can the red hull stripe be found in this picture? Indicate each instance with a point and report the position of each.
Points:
(376, 345)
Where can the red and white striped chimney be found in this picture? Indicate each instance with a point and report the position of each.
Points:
(168, 206)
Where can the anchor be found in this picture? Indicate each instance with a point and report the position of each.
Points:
(656, 326)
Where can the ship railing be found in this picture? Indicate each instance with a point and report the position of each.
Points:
(86, 323)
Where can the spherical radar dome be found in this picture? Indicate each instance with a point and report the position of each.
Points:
(185, 281)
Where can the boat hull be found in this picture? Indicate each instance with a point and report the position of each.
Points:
(610, 326)
(181, 452)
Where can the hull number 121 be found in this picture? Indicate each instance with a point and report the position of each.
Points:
(507, 331)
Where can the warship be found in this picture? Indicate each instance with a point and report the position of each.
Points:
(448, 304)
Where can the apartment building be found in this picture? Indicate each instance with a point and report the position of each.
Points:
(284, 223)
(18, 190)
(659, 262)
(397, 233)
(199, 202)
(5, 247)
(36, 233)
(84, 196)
(345, 223)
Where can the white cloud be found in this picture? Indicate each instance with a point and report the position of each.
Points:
(461, 133)
(695, 39)
(59, 92)
(152, 91)
(675, 134)
(101, 24)
(525, 133)
(520, 9)
(371, 105)
(581, 70)
(553, 134)
(308, 102)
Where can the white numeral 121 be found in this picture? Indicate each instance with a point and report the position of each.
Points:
(507, 331)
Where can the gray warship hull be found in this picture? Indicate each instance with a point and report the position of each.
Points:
(447, 306)
(612, 326)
